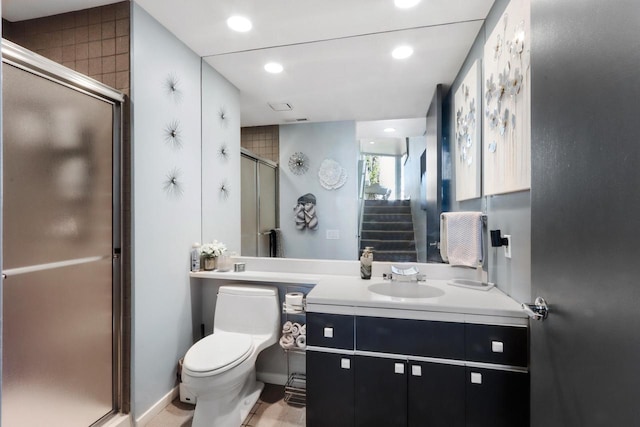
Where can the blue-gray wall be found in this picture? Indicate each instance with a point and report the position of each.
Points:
(335, 209)
(511, 213)
(166, 304)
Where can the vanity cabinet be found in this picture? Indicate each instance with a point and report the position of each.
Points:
(415, 373)
(436, 395)
(330, 389)
(380, 392)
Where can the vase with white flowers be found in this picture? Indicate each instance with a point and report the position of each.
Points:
(210, 253)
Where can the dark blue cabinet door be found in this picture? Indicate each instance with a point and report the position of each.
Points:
(381, 392)
(436, 395)
(330, 383)
(497, 398)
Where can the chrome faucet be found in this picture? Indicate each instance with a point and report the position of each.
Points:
(399, 274)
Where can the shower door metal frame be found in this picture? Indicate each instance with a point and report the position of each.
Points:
(249, 155)
(19, 57)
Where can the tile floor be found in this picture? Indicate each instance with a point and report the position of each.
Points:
(270, 411)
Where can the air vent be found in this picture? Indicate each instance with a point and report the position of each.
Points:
(280, 106)
(296, 120)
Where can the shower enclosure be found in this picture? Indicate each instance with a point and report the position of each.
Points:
(61, 244)
(259, 204)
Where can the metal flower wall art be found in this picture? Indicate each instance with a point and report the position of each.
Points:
(298, 163)
(467, 141)
(507, 103)
(172, 183)
(172, 87)
(173, 134)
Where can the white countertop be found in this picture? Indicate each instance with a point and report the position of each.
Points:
(349, 294)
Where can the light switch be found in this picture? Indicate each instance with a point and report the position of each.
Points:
(497, 347)
(399, 368)
(328, 332)
(345, 363)
(333, 234)
(416, 370)
(476, 378)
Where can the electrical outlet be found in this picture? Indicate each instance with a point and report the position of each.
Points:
(507, 248)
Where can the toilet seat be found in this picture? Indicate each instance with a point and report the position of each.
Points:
(217, 353)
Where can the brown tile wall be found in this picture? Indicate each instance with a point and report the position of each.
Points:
(264, 141)
(94, 42)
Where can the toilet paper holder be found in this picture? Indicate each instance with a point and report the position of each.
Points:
(294, 302)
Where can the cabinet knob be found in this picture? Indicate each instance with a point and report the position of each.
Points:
(345, 363)
(328, 332)
(416, 370)
(398, 368)
(497, 346)
(476, 378)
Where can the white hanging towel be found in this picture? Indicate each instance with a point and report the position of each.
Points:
(461, 238)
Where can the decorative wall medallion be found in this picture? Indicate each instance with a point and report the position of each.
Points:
(172, 87)
(172, 184)
(223, 152)
(172, 134)
(507, 97)
(224, 190)
(331, 175)
(298, 163)
(223, 116)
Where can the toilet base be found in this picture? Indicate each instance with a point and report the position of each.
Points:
(220, 414)
(250, 400)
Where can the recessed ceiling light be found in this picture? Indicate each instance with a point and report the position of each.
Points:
(239, 23)
(405, 4)
(402, 52)
(372, 142)
(273, 67)
(390, 130)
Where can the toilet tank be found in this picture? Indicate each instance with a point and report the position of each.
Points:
(247, 309)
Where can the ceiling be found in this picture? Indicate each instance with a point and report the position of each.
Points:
(336, 53)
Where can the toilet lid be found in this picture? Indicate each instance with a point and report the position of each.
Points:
(218, 352)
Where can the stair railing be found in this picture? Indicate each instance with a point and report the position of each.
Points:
(364, 174)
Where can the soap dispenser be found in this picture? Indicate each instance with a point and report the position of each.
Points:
(366, 261)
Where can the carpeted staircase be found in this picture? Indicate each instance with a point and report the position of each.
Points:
(388, 227)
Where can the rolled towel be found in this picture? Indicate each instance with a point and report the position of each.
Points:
(287, 341)
(313, 223)
(303, 329)
(295, 329)
(286, 328)
(301, 342)
(309, 210)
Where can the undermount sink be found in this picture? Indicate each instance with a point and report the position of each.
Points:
(405, 290)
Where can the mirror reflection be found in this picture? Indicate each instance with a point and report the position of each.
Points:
(345, 120)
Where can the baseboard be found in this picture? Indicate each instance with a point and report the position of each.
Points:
(272, 378)
(144, 419)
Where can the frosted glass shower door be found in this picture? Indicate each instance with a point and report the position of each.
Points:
(259, 205)
(58, 340)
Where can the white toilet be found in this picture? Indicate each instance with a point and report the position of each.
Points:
(218, 371)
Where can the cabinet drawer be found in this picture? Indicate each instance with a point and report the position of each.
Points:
(410, 337)
(504, 345)
(330, 330)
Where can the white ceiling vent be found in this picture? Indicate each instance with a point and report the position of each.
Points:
(296, 120)
(280, 106)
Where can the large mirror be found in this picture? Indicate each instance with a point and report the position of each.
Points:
(340, 86)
